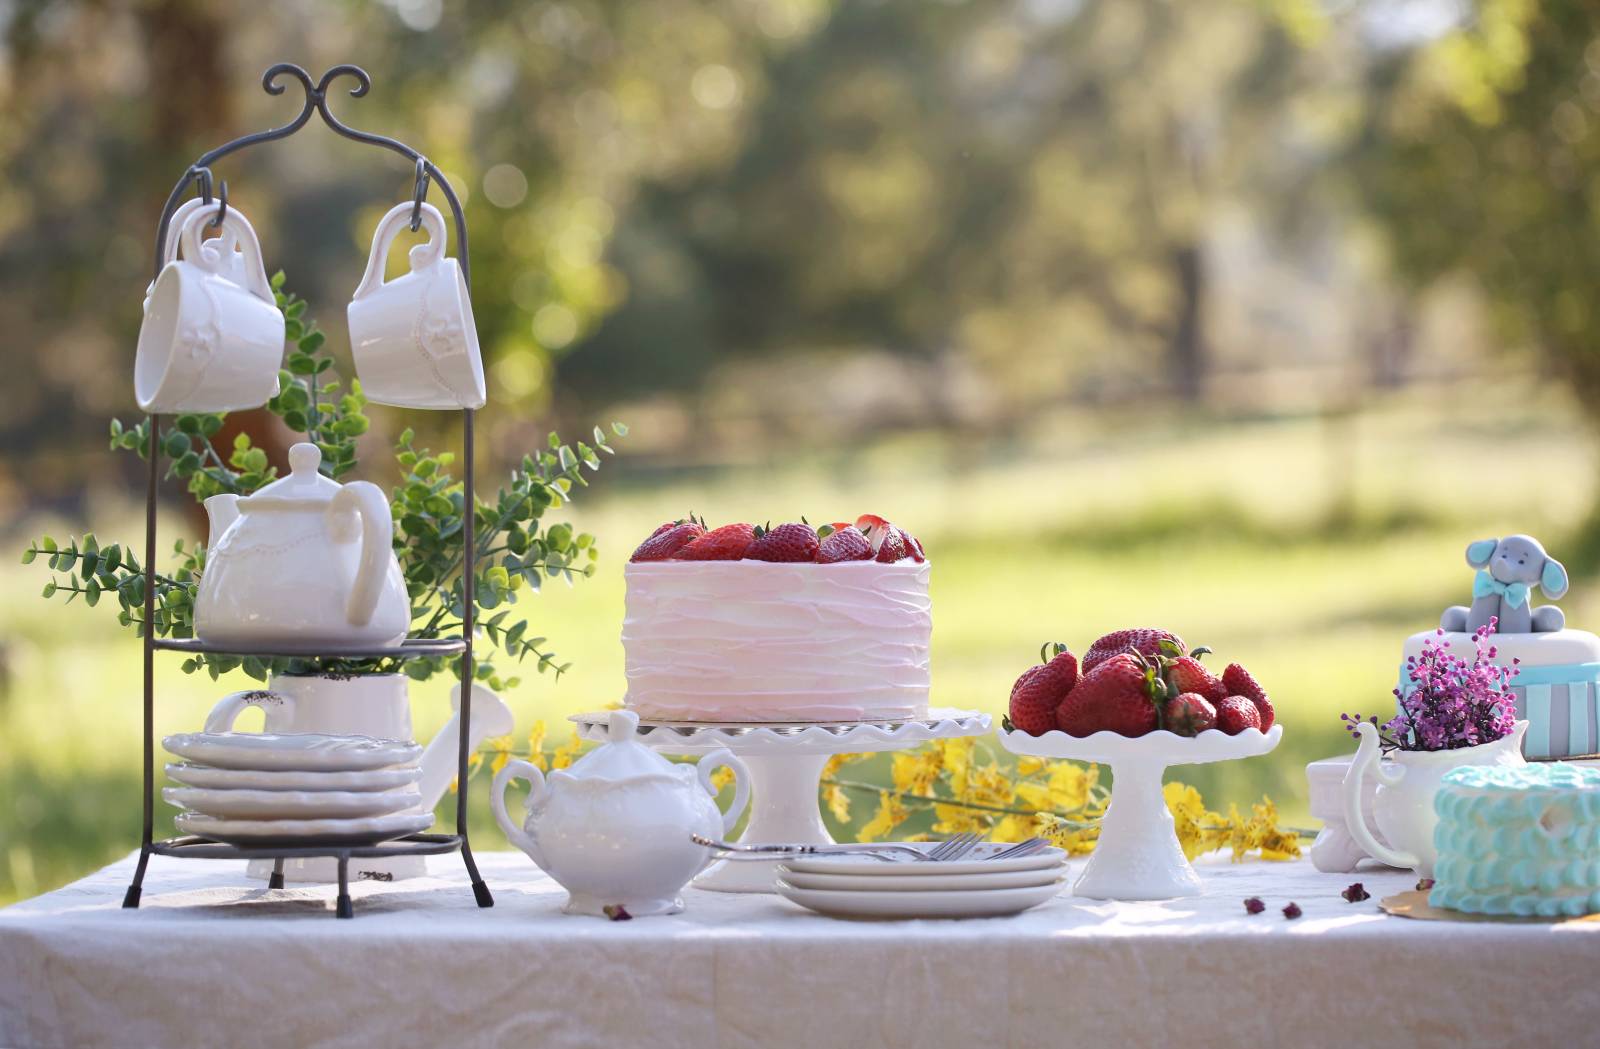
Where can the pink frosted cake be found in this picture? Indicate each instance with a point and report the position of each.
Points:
(782, 624)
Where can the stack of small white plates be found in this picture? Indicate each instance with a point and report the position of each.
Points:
(975, 886)
(301, 789)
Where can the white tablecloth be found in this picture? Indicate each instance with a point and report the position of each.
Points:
(212, 959)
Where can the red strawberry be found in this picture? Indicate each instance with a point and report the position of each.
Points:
(1188, 714)
(1188, 675)
(844, 544)
(1240, 683)
(1040, 690)
(1146, 641)
(913, 548)
(1237, 713)
(891, 547)
(727, 543)
(1119, 696)
(787, 542)
(668, 540)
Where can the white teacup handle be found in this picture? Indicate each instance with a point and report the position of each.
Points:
(255, 270)
(368, 502)
(1355, 818)
(389, 227)
(517, 769)
(741, 784)
(229, 707)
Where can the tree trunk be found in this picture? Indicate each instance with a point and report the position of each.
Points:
(1187, 351)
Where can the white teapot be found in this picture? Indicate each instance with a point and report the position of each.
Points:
(613, 829)
(304, 563)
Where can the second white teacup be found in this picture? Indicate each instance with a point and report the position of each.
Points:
(413, 338)
(212, 337)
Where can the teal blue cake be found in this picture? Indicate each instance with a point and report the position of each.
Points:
(1519, 840)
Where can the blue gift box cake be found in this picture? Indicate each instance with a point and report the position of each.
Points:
(1557, 686)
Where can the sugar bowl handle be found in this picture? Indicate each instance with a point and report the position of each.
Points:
(719, 758)
(517, 769)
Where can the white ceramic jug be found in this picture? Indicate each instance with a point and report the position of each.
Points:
(614, 828)
(1403, 808)
(303, 564)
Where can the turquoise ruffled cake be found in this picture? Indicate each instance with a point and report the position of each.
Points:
(1519, 840)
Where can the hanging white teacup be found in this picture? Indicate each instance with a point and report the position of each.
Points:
(221, 250)
(413, 338)
(212, 337)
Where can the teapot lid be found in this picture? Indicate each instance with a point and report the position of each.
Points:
(621, 756)
(304, 480)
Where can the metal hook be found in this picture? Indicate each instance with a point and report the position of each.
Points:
(222, 206)
(419, 193)
(203, 176)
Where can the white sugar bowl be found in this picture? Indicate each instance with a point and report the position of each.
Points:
(613, 829)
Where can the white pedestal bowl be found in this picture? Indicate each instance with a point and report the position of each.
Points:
(1137, 856)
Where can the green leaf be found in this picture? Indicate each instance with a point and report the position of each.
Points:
(50, 588)
(311, 342)
(619, 429)
(28, 555)
(175, 444)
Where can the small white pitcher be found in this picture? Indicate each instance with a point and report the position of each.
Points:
(212, 336)
(413, 338)
(1403, 808)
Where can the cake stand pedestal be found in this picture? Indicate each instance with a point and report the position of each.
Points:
(785, 760)
(1137, 856)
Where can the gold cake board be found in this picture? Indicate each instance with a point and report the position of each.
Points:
(1414, 904)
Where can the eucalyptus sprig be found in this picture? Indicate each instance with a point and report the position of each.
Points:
(515, 550)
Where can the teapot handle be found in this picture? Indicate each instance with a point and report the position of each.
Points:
(517, 769)
(229, 707)
(367, 501)
(389, 227)
(1355, 817)
(719, 758)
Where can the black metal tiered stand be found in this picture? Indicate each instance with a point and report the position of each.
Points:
(199, 175)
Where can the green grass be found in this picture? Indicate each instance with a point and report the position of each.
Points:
(1303, 548)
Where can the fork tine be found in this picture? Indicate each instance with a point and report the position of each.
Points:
(972, 842)
(1022, 848)
(944, 848)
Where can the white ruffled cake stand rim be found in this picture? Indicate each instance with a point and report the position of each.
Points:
(786, 760)
(1137, 856)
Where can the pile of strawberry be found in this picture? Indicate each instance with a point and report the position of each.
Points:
(870, 538)
(1132, 682)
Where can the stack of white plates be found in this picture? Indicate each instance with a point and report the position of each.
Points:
(270, 789)
(975, 886)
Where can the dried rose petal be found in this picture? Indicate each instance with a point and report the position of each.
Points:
(1292, 911)
(1254, 905)
(1355, 893)
(1425, 884)
(616, 912)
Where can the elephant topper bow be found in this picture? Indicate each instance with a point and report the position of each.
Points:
(1508, 570)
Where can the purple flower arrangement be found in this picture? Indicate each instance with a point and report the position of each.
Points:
(1453, 703)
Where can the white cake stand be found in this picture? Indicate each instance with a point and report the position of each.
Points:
(1137, 856)
(785, 762)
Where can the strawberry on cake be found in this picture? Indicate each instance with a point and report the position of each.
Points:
(793, 623)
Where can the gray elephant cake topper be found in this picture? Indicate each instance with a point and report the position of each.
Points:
(1508, 570)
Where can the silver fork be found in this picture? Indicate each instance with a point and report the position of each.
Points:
(889, 853)
(1021, 849)
(956, 847)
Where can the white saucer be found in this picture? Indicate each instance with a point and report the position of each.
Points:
(304, 751)
(977, 864)
(287, 833)
(970, 903)
(289, 779)
(291, 804)
(921, 882)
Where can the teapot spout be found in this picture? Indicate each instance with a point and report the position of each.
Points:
(490, 717)
(221, 511)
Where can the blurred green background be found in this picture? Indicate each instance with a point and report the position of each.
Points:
(1236, 317)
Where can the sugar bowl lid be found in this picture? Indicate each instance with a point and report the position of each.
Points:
(620, 757)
